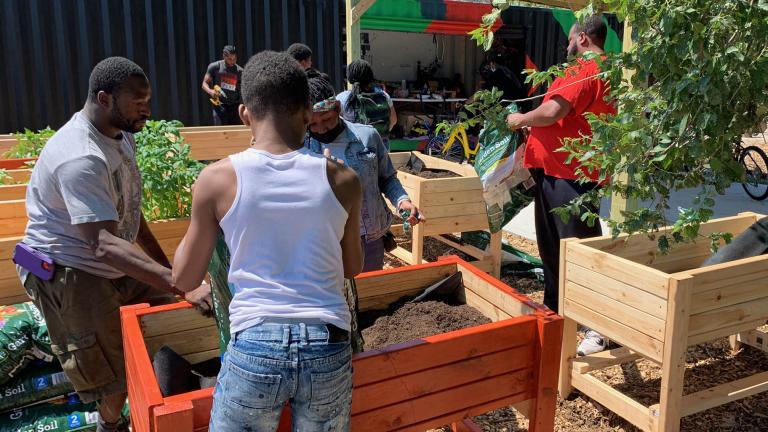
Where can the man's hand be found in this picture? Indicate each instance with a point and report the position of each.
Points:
(200, 298)
(515, 121)
(415, 216)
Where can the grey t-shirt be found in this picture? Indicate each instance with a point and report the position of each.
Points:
(82, 176)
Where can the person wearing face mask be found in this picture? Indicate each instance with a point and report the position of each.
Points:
(361, 148)
(560, 116)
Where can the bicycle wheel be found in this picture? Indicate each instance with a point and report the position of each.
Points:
(755, 164)
(435, 145)
(454, 153)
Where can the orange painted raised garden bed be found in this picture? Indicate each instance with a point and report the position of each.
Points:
(414, 386)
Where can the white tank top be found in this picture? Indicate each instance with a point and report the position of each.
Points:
(284, 231)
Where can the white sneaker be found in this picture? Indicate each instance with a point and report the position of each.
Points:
(593, 342)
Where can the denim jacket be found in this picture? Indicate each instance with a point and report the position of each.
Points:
(369, 158)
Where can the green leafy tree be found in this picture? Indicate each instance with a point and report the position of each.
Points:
(693, 83)
(167, 170)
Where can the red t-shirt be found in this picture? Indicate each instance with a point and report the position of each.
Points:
(584, 95)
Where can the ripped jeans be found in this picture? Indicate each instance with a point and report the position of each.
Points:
(271, 363)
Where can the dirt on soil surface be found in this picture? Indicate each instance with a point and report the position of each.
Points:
(430, 173)
(409, 321)
(707, 365)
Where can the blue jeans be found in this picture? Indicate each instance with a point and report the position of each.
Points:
(269, 364)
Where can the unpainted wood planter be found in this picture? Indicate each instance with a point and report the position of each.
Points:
(414, 386)
(655, 306)
(451, 206)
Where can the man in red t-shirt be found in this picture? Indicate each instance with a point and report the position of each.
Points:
(561, 115)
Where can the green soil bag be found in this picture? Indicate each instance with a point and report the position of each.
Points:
(23, 337)
(507, 184)
(221, 293)
(38, 382)
(61, 415)
(514, 262)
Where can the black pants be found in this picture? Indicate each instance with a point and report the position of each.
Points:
(226, 115)
(551, 193)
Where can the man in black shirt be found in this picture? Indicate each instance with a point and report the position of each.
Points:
(224, 74)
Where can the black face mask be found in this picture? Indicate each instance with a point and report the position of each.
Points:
(330, 135)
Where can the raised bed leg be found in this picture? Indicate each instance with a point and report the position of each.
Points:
(569, 346)
(735, 343)
(495, 248)
(417, 244)
(673, 360)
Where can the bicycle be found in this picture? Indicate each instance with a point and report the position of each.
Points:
(456, 148)
(755, 163)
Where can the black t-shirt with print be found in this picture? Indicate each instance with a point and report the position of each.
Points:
(228, 78)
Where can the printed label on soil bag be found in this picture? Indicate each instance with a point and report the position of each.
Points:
(39, 382)
(23, 337)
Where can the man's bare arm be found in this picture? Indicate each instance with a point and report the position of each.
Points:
(149, 244)
(207, 80)
(124, 256)
(213, 194)
(547, 114)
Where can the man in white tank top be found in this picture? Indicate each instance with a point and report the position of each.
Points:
(289, 318)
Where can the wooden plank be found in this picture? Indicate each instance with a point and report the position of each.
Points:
(464, 413)
(568, 346)
(19, 175)
(615, 310)
(673, 361)
(427, 410)
(617, 290)
(626, 336)
(175, 417)
(421, 383)
(742, 313)
(454, 210)
(544, 403)
(13, 192)
(433, 351)
(169, 229)
(615, 267)
(448, 198)
(495, 296)
(485, 307)
(744, 288)
(454, 224)
(452, 184)
(401, 279)
(402, 254)
(603, 359)
(724, 393)
(723, 332)
(173, 321)
(467, 249)
(431, 162)
(186, 341)
(626, 407)
(722, 275)
(13, 209)
(13, 227)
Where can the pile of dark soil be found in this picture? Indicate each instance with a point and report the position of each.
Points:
(430, 173)
(404, 321)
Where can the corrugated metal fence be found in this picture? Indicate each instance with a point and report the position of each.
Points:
(48, 48)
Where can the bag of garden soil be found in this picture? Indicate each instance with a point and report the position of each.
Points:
(221, 293)
(40, 381)
(507, 184)
(23, 337)
(61, 415)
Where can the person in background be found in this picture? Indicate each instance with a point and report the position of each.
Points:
(226, 75)
(289, 319)
(302, 54)
(367, 103)
(84, 208)
(360, 147)
(562, 115)
(496, 74)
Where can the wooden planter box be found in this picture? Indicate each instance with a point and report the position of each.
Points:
(656, 306)
(169, 234)
(413, 386)
(451, 205)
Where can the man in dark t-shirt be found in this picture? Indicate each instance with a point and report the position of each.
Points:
(222, 84)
